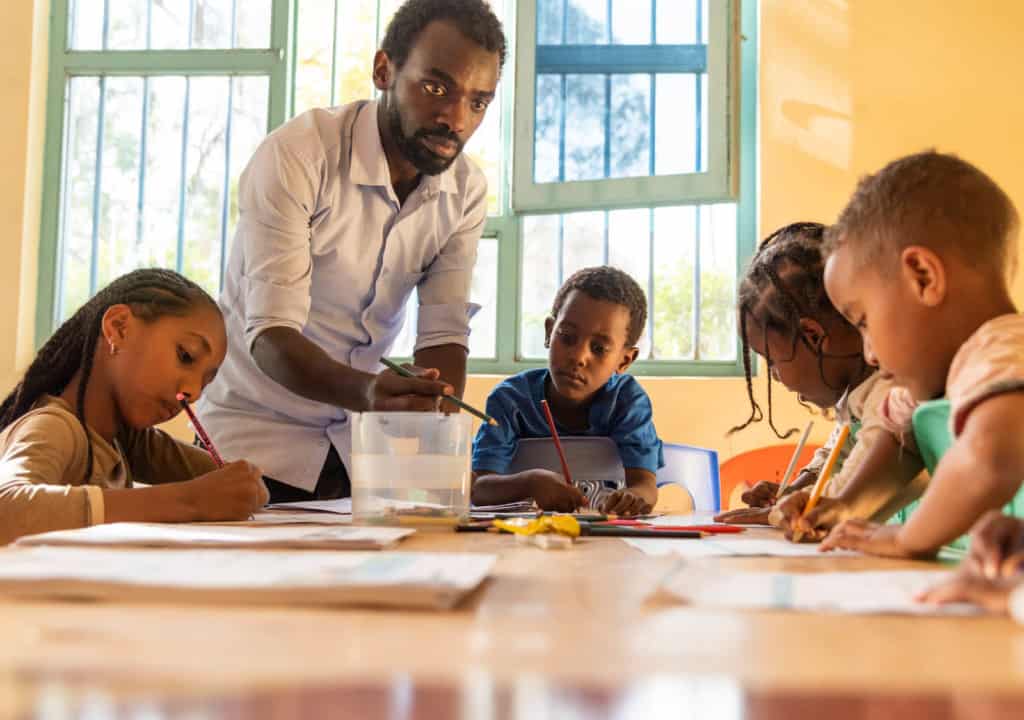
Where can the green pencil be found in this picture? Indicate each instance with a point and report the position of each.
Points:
(450, 398)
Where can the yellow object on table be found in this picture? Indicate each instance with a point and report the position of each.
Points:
(561, 524)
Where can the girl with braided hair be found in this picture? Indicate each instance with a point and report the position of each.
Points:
(786, 317)
(77, 431)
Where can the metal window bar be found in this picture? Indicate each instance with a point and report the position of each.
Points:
(179, 259)
(334, 53)
(698, 209)
(652, 168)
(97, 192)
(140, 222)
(225, 209)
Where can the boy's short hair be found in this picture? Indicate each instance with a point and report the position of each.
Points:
(474, 18)
(931, 199)
(611, 285)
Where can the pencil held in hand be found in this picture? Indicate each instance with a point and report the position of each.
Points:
(200, 431)
(558, 443)
(395, 367)
(826, 472)
(792, 462)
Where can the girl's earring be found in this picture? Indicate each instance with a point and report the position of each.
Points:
(113, 348)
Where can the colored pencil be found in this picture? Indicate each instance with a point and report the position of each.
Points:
(823, 476)
(207, 442)
(792, 461)
(558, 443)
(450, 398)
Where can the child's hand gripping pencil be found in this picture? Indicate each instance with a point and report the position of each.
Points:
(826, 472)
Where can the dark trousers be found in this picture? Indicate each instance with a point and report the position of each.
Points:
(333, 482)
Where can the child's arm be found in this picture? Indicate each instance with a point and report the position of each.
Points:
(232, 492)
(878, 486)
(548, 489)
(638, 497)
(981, 472)
(156, 458)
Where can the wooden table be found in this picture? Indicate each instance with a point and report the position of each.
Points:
(552, 634)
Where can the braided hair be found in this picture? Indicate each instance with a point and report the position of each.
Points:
(151, 294)
(770, 303)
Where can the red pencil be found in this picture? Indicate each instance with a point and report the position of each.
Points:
(183, 399)
(558, 443)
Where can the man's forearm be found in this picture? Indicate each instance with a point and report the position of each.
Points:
(450, 361)
(290, 359)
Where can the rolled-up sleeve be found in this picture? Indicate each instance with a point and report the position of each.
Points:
(444, 308)
(277, 198)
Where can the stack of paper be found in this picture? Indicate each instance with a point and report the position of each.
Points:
(312, 537)
(840, 592)
(421, 580)
(341, 506)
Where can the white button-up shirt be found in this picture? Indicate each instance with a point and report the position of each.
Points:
(324, 246)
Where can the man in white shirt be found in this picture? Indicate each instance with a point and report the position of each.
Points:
(343, 212)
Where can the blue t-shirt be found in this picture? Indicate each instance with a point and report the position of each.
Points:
(621, 411)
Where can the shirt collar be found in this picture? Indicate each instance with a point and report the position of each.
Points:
(370, 164)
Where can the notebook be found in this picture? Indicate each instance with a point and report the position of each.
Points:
(309, 537)
(246, 577)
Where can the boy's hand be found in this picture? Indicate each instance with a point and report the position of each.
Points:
(761, 495)
(233, 492)
(997, 542)
(867, 537)
(745, 516)
(551, 492)
(626, 502)
(965, 587)
(813, 527)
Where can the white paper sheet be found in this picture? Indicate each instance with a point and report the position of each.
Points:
(886, 592)
(426, 580)
(741, 545)
(223, 536)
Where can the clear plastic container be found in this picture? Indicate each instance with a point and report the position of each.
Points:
(410, 468)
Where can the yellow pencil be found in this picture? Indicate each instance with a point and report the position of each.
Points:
(823, 476)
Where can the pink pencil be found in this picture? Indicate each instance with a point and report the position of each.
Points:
(558, 443)
(183, 399)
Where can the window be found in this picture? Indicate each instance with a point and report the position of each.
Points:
(625, 156)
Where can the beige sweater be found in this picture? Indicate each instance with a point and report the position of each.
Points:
(43, 456)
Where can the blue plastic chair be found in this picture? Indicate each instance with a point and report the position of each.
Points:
(696, 470)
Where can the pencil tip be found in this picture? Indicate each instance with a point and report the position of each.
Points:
(493, 422)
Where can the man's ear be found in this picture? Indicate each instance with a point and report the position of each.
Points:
(549, 325)
(812, 331)
(629, 356)
(383, 71)
(923, 274)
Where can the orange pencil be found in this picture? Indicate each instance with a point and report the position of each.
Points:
(823, 476)
(558, 443)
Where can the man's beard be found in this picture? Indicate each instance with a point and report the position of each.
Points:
(412, 148)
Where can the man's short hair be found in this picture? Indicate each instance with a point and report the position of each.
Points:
(474, 18)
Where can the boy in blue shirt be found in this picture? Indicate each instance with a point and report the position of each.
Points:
(591, 336)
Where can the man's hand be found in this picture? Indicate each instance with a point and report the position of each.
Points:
(390, 391)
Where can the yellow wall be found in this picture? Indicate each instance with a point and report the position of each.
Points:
(846, 85)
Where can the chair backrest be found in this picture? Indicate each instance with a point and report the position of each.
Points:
(695, 469)
(744, 470)
(593, 461)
